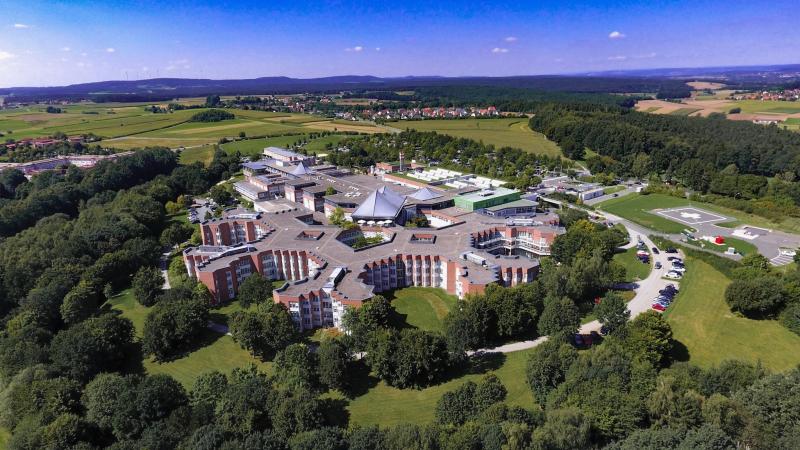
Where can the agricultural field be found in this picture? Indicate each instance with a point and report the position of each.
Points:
(708, 332)
(498, 132)
(125, 125)
(420, 307)
(684, 111)
(216, 352)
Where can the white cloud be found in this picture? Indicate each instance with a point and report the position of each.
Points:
(182, 63)
(499, 50)
(21, 26)
(647, 55)
(111, 50)
(84, 54)
(616, 35)
(357, 48)
(510, 39)
(377, 49)
(6, 55)
(65, 49)
(617, 58)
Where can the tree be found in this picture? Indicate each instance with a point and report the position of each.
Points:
(98, 344)
(80, 303)
(360, 323)
(641, 165)
(147, 284)
(650, 336)
(296, 367)
(469, 326)
(220, 195)
(612, 312)
(175, 234)
(564, 429)
(173, 326)
(755, 296)
(330, 190)
(547, 367)
(264, 331)
(334, 364)
(254, 289)
(790, 318)
(409, 358)
(325, 438)
(560, 317)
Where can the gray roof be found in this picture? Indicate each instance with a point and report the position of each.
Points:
(285, 152)
(300, 170)
(384, 203)
(425, 194)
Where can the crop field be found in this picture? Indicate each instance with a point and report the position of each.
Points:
(684, 111)
(709, 333)
(498, 132)
(128, 125)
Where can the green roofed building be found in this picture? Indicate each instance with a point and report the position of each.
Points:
(486, 198)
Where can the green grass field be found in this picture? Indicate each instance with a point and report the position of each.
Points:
(498, 132)
(5, 435)
(384, 405)
(421, 307)
(710, 333)
(217, 352)
(684, 111)
(635, 208)
(743, 247)
(128, 125)
(775, 107)
(635, 269)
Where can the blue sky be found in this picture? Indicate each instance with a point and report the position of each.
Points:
(54, 43)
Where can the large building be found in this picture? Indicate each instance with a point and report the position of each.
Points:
(329, 269)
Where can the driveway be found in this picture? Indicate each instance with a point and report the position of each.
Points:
(646, 289)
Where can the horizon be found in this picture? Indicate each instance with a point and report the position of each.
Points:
(57, 44)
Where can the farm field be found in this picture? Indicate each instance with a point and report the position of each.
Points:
(684, 111)
(635, 207)
(420, 307)
(217, 352)
(126, 125)
(498, 132)
(418, 406)
(710, 333)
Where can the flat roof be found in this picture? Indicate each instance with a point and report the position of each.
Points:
(522, 203)
(488, 193)
(285, 152)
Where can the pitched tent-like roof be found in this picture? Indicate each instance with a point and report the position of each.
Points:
(383, 204)
(425, 194)
(300, 170)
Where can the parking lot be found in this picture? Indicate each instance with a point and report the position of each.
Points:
(691, 216)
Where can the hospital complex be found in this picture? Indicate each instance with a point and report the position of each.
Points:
(478, 233)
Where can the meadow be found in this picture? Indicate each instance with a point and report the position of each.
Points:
(125, 125)
(708, 332)
(420, 307)
(498, 132)
(635, 269)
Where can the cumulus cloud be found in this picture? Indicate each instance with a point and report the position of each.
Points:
(6, 55)
(111, 50)
(357, 48)
(65, 49)
(616, 35)
(617, 58)
(499, 50)
(510, 39)
(21, 26)
(377, 49)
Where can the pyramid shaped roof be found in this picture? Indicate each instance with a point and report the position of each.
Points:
(381, 204)
(301, 169)
(425, 194)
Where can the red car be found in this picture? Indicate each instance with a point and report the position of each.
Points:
(658, 307)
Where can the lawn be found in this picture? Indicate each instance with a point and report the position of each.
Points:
(204, 154)
(635, 269)
(743, 247)
(218, 352)
(684, 111)
(637, 207)
(384, 405)
(759, 106)
(421, 307)
(5, 435)
(498, 132)
(709, 333)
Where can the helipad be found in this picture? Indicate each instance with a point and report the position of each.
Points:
(691, 216)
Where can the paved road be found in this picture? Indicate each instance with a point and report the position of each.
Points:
(646, 290)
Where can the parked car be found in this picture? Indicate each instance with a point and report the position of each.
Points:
(658, 307)
(671, 250)
(658, 264)
(674, 258)
(673, 275)
(655, 250)
(579, 340)
(678, 269)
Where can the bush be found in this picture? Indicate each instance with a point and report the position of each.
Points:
(790, 318)
(212, 115)
(759, 296)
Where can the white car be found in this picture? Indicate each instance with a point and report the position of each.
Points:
(673, 275)
(678, 269)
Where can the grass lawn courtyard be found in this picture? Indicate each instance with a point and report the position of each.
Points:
(709, 333)
(421, 307)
